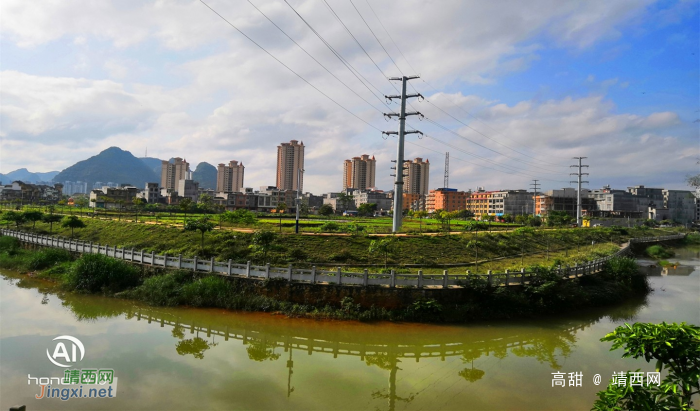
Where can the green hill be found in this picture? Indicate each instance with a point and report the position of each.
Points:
(205, 174)
(113, 164)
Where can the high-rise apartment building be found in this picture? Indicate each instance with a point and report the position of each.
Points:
(359, 172)
(229, 178)
(418, 176)
(290, 159)
(172, 173)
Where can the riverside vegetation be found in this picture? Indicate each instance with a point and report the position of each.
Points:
(498, 250)
(547, 295)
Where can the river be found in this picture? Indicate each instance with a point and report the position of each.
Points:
(186, 359)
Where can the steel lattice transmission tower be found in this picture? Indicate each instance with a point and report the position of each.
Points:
(398, 182)
(578, 193)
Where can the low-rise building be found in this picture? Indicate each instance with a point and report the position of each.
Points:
(113, 198)
(447, 199)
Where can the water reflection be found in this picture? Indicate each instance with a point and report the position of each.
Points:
(274, 347)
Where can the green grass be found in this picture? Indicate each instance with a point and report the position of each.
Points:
(497, 250)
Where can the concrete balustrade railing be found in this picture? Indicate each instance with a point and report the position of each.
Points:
(315, 276)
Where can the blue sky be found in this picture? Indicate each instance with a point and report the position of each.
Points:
(542, 81)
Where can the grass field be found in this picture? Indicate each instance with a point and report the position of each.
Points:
(496, 250)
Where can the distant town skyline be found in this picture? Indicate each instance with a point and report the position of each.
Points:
(616, 82)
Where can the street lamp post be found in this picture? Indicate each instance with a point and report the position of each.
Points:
(298, 199)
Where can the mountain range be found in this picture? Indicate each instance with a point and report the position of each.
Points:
(113, 165)
(26, 176)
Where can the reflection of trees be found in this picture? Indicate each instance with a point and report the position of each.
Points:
(86, 309)
(628, 311)
(388, 362)
(473, 374)
(259, 350)
(178, 331)
(195, 346)
(543, 348)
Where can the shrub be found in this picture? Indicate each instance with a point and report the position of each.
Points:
(9, 244)
(48, 258)
(658, 251)
(206, 292)
(329, 226)
(96, 272)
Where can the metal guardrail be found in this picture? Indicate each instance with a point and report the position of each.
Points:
(315, 276)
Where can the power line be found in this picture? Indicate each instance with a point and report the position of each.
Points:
(288, 68)
(318, 62)
(347, 64)
(375, 36)
(451, 101)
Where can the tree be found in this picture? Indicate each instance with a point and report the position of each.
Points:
(281, 206)
(345, 200)
(206, 202)
(15, 217)
(558, 219)
(185, 205)
(33, 216)
(420, 215)
(201, 224)
(674, 347)
(366, 209)
(386, 246)
(72, 222)
(444, 217)
(50, 219)
(326, 210)
(464, 214)
(138, 206)
(263, 241)
(474, 244)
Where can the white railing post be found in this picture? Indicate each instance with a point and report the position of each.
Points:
(522, 276)
(365, 278)
(313, 274)
(195, 264)
(267, 270)
(153, 258)
(490, 280)
(165, 260)
(420, 278)
(179, 261)
(211, 265)
(340, 278)
(445, 278)
(247, 269)
(229, 267)
(289, 273)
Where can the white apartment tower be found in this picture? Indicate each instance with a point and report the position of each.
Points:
(418, 175)
(229, 178)
(290, 159)
(359, 173)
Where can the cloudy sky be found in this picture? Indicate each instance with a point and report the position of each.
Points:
(514, 89)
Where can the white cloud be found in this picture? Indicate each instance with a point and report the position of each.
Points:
(235, 102)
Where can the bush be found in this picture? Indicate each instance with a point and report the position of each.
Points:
(9, 244)
(658, 251)
(48, 258)
(206, 292)
(159, 290)
(96, 272)
(329, 226)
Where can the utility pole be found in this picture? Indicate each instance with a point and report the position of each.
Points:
(299, 171)
(446, 182)
(398, 182)
(578, 193)
(535, 186)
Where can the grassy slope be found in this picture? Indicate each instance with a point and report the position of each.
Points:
(353, 250)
